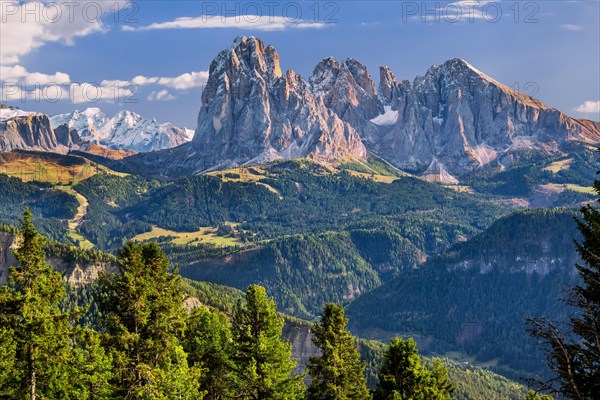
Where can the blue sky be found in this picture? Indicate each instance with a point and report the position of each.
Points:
(549, 49)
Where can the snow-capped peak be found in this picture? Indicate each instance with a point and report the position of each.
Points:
(126, 130)
(12, 112)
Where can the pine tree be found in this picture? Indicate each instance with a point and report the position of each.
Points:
(403, 376)
(142, 312)
(338, 373)
(440, 384)
(531, 395)
(574, 357)
(36, 332)
(263, 363)
(8, 351)
(91, 367)
(209, 346)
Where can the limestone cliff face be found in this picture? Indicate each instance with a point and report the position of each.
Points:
(456, 119)
(447, 123)
(75, 273)
(347, 89)
(7, 258)
(31, 132)
(299, 335)
(253, 112)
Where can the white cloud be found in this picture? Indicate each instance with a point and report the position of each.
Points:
(256, 22)
(161, 95)
(571, 27)
(17, 73)
(18, 84)
(589, 106)
(181, 82)
(29, 25)
(185, 81)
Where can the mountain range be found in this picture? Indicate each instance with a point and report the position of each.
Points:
(449, 122)
(86, 130)
(452, 121)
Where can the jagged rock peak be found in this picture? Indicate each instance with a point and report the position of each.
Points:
(250, 113)
(348, 89)
(329, 72)
(387, 83)
(361, 75)
(324, 75)
(248, 54)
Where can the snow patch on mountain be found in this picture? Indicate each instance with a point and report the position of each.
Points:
(389, 117)
(8, 113)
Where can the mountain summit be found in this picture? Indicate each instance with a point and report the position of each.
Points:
(252, 112)
(455, 119)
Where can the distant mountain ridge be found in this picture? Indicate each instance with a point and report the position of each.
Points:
(85, 130)
(443, 125)
(124, 131)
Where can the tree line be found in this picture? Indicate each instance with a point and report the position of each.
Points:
(149, 345)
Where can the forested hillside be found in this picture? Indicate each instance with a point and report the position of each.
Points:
(361, 235)
(206, 321)
(479, 294)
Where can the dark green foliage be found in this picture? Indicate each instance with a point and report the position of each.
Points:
(36, 331)
(144, 320)
(194, 202)
(531, 395)
(223, 298)
(573, 348)
(404, 377)
(90, 367)
(304, 271)
(477, 383)
(312, 200)
(48, 206)
(8, 353)
(480, 292)
(386, 250)
(107, 194)
(534, 233)
(263, 363)
(338, 373)
(209, 346)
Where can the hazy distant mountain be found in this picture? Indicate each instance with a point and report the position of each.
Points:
(77, 130)
(124, 131)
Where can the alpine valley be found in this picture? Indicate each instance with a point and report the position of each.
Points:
(441, 208)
